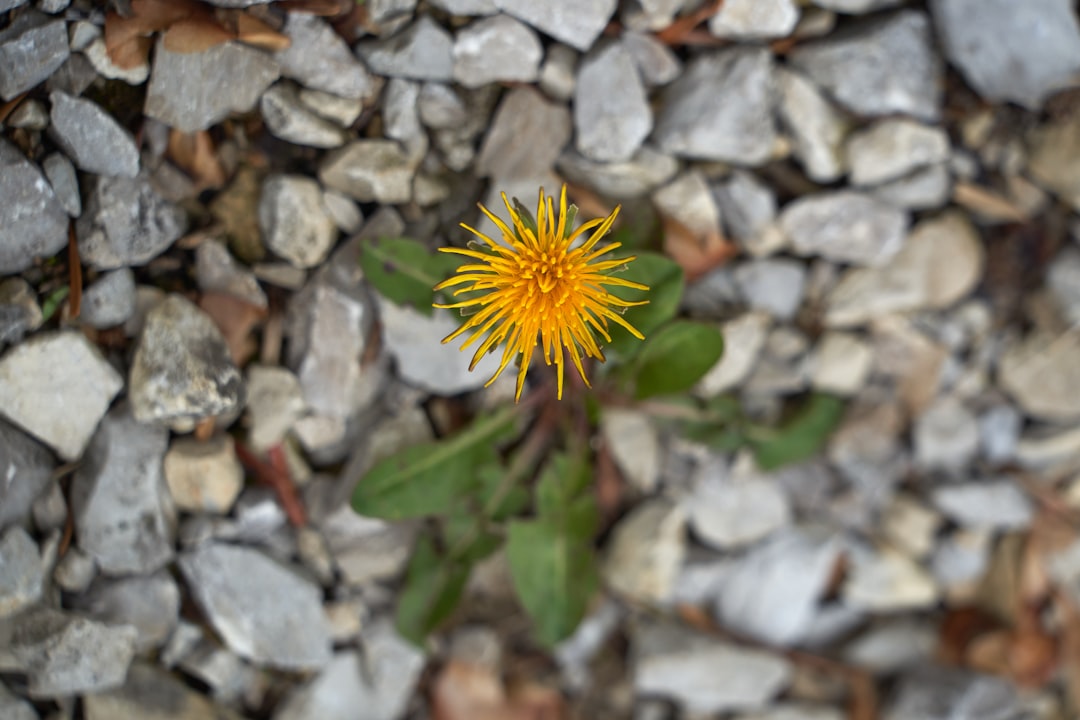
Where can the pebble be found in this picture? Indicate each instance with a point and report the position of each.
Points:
(29, 115)
(1041, 374)
(182, 372)
(795, 711)
(294, 220)
(1007, 51)
(33, 223)
(635, 444)
(97, 52)
(342, 111)
(989, 505)
(744, 339)
(773, 285)
(57, 365)
(526, 136)
(457, 145)
(866, 450)
(721, 108)
(645, 552)
(423, 51)
(689, 201)
(727, 513)
(370, 170)
(75, 571)
(150, 604)
(612, 116)
(92, 138)
(64, 654)
(343, 211)
(924, 189)
(61, 174)
(910, 525)
(817, 128)
(655, 61)
(203, 475)
(889, 149)
(288, 118)
(441, 106)
(558, 74)
(121, 511)
(264, 611)
(110, 300)
(32, 47)
(885, 580)
(466, 7)
(772, 592)
(152, 694)
(21, 572)
(27, 468)
(940, 263)
(702, 674)
(319, 59)
(367, 550)
(496, 49)
(575, 22)
(932, 692)
(754, 19)
(946, 436)
(640, 175)
(844, 226)
(19, 310)
(1063, 282)
(748, 207)
(999, 433)
(858, 66)
(841, 364)
(1053, 154)
(217, 271)
(13, 707)
(856, 7)
(893, 646)
(126, 223)
(275, 401)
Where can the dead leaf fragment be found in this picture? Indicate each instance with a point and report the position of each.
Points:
(696, 254)
(195, 154)
(253, 31)
(466, 691)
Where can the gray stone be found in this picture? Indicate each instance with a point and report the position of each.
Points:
(67, 369)
(216, 270)
(655, 61)
(290, 119)
(228, 677)
(881, 66)
(29, 115)
(149, 693)
(264, 611)
(6, 5)
(319, 58)
(110, 300)
(12, 707)
(203, 475)
(340, 110)
(65, 655)
(19, 310)
(1063, 281)
(33, 224)
(689, 201)
(527, 135)
(343, 211)
(721, 108)
(999, 433)
(744, 338)
(467, 7)
(1054, 157)
(390, 13)
(754, 19)
(182, 371)
(61, 174)
(126, 222)
(370, 170)
(75, 571)
(817, 128)
(748, 206)
(891, 148)
(894, 646)
(92, 138)
(149, 603)
(773, 591)
(638, 176)
(728, 512)
(496, 49)
(180, 97)
(118, 497)
(612, 116)
(645, 552)
(401, 118)
(31, 48)
(774, 285)
(634, 442)
(558, 75)
(1021, 52)
(21, 572)
(457, 144)
(294, 220)
(924, 189)
(575, 22)
(368, 550)
(946, 436)
(275, 401)
(704, 675)
(991, 505)
(50, 510)
(943, 693)
(856, 7)
(440, 106)
(27, 468)
(1041, 374)
(423, 51)
(885, 580)
(844, 226)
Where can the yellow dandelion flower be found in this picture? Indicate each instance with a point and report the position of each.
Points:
(539, 288)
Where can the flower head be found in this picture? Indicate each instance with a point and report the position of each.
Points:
(536, 287)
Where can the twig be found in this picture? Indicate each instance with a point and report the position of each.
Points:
(275, 475)
(74, 274)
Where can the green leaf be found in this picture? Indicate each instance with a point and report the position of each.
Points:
(554, 574)
(514, 503)
(405, 271)
(666, 283)
(675, 357)
(432, 589)
(801, 437)
(52, 302)
(639, 227)
(429, 479)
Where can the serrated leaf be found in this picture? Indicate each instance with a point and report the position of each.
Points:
(801, 437)
(674, 358)
(431, 592)
(429, 479)
(405, 271)
(666, 284)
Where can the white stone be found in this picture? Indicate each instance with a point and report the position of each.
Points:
(910, 525)
(612, 116)
(496, 49)
(294, 220)
(275, 401)
(689, 200)
(744, 339)
(635, 445)
(892, 148)
(845, 226)
(818, 129)
(841, 364)
(754, 19)
(645, 552)
(946, 435)
(885, 580)
(991, 505)
(1042, 374)
(728, 513)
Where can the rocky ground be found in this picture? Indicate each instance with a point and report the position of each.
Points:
(873, 198)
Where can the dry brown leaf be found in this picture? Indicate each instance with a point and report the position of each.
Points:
(127, 42)
(236, 319)
(322, 8)
(987, 203)
(156, 15)
(467, 691)
(194, 153)
(253, 31)
(1070, 647)
(195, 34)
(696, 254)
